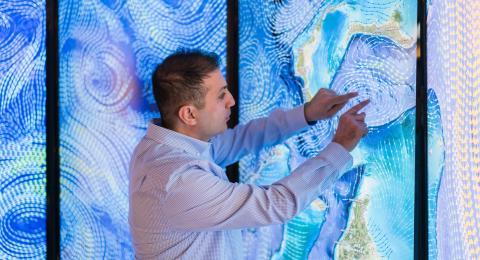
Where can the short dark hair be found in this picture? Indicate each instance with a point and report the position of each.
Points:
(177, 81)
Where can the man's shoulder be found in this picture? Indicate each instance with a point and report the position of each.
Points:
(150, 153)
(158, 163)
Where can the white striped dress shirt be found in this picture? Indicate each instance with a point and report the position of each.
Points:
(182, 205)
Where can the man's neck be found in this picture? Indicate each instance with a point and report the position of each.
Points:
(188, 132)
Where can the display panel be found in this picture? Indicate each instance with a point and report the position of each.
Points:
(288, 51)
(22, 130)
(453, 119)
(108, 50)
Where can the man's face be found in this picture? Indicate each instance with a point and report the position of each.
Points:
(213, 117)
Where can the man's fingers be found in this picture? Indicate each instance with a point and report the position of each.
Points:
(365, 129)
(340, 99)
(358, 107)
(327, 90)
(336, 108)
(365, 132)
(360, 117)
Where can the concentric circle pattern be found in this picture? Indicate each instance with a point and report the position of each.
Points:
(108, 50)
(288, 51)
(22, 130)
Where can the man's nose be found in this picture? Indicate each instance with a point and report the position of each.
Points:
(231, 102)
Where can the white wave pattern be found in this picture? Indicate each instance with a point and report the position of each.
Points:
(379, 64)
(108, 50)
(22, 130)
(454, 74)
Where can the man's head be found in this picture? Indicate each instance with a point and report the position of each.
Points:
(192, 94)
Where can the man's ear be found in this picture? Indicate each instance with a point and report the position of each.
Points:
(188, 115)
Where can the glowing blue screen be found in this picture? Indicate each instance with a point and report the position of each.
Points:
(108, 50)
(453, 129)
(288, 51)
(22, 130)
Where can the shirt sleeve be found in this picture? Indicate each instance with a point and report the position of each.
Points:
(200, 201)
(231, 145)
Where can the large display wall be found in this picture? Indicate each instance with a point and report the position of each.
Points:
(454, 129)
(288, 51)
(108, 50)
(22, 130)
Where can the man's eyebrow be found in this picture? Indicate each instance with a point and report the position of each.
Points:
(224, 87)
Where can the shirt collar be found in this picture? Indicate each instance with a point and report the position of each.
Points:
(174, 139)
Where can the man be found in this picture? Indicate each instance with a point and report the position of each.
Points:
(182, 205)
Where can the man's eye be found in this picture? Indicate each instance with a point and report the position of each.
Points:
(221, 96)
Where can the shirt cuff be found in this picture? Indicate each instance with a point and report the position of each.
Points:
(310, 123)
(338, 156)
(296, 117)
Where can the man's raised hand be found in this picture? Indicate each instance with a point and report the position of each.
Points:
(351, 127)
(325, 104)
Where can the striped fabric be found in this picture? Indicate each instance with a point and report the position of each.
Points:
(182, 205)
